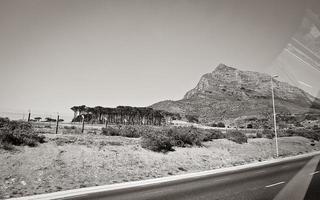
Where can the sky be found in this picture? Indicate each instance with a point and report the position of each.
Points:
(55, 54)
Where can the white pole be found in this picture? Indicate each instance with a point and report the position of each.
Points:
(274, 118)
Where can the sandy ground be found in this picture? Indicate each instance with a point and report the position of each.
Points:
(75, 161)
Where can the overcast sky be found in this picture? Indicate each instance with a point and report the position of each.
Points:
(59, 53)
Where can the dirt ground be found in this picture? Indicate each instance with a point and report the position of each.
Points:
(76, 161)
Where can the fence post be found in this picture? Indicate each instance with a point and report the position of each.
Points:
(29, 115)
(57, 126)
(82, 129)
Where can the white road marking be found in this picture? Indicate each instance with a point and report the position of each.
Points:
(282, 182)
(298, 186)
(222, 179)
(258, 172)
(314, 173)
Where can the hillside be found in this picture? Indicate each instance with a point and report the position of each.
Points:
(230, 93)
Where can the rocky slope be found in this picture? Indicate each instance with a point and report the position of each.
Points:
(230, 93)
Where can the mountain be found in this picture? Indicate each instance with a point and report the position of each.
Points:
(229, 93)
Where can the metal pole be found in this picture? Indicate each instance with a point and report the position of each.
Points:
(274, 119)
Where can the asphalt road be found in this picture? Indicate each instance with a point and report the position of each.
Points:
(298, 179)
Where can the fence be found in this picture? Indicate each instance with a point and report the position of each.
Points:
(49, 122)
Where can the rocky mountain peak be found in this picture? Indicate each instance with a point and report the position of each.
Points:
(228, 92)
(224, 68)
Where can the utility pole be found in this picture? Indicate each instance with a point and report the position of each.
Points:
(274, 116)
(57, 126)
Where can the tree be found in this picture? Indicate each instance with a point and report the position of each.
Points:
(37, 118)
(48, 119)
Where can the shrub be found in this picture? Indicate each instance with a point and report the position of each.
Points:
(311, 117)
(221, 125)
(130, 131)
(213, 125)
(210, 135)
(69, 127)
(164, 140)
(267, 133)
(252, 136)
(192, 118)
(298, 124)
(313, 134)
(71, 130)
(237, 136)
(249, 126)
(125, 131)
(18, 133)
(259, 135)
(110, 131)
(183, 136)
(158, 141)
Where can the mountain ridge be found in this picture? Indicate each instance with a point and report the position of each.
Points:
(228, 92)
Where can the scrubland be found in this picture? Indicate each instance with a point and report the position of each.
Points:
(72, 160)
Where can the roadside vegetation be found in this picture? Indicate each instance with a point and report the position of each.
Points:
(18, 133)
(163, 139)
(72, 159)
(310, 133)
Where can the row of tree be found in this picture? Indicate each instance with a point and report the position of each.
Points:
(47, 119)
(122, 115)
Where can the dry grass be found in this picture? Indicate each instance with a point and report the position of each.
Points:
(75, 161)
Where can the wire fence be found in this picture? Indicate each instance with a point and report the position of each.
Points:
(52, 122)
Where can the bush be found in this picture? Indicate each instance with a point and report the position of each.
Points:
(183, 136)
(125, 131)
(267, 133)
(237, 136)
(259, 135)
(72, 130)
(69, 127)
(221, 125)
(311, 117)
(130, 131)
(164, 140)
(158, 141)
(213, 125)
(192, 118)
(212, 135)
(313, 134)
(109, 131)
(18, 133)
